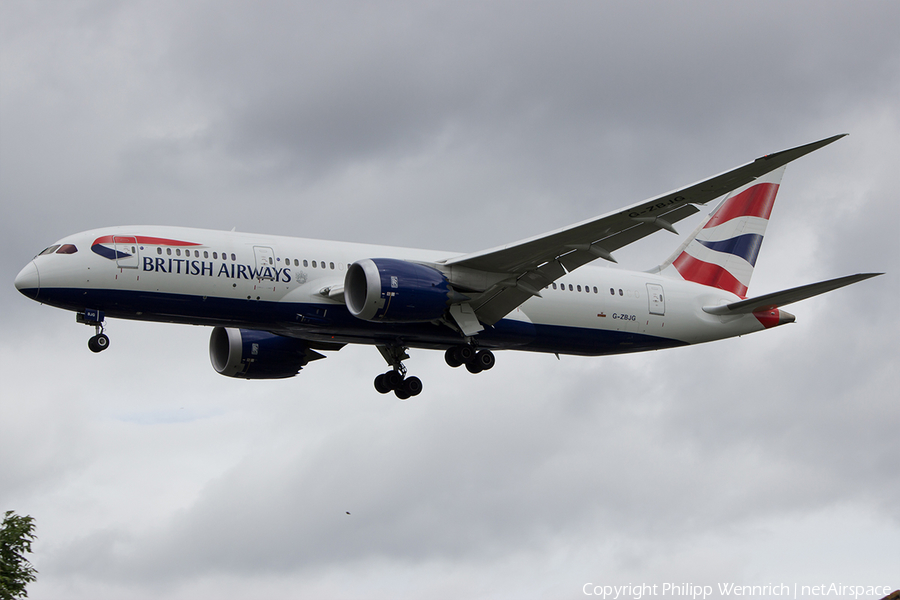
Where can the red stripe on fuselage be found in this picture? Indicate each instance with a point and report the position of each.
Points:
(756, 201)
(709, 274)
(108, 239)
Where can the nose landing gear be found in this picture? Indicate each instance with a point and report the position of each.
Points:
(100, 341)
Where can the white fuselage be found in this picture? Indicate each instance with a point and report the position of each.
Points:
(285, 285)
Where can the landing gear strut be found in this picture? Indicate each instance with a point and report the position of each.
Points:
(475, 361)
(100, 341)
(396, 380)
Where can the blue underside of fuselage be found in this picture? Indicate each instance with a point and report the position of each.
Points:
(332, 323)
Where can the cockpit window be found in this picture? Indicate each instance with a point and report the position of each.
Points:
(49, 250)
(67, 249)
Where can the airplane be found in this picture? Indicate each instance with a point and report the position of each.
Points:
(276, 303)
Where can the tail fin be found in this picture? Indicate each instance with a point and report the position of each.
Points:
(722, 251)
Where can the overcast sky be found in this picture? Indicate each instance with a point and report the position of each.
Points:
(771, 458)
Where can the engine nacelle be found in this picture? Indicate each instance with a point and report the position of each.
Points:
(395, 291)
(250, 354)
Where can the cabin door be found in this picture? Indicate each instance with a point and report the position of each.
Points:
(265, 262)
(127, 256)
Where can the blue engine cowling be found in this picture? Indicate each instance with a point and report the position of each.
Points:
(395, 291)
(249, 354)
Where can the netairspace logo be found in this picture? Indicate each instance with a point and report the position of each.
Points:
(695, 592)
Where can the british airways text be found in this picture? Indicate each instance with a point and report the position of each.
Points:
(208, 269)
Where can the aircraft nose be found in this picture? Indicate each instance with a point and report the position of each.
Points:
(28, 281)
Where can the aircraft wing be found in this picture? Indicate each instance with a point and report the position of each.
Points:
(520, 270)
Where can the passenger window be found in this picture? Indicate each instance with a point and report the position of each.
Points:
(305, 264)
(620, 292)
(570, 287)
(315, 264)
(169, 251)
(215, 255)
(158, 250)
(578, 288)
(205, 254)
(612, 292)
(595, 289)
(554, 286)
(233, 257)
(296, 263)
(331, 264)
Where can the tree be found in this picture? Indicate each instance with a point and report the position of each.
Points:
(16, 535)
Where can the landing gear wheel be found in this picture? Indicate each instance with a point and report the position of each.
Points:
(486, 359)
(379, 385)
(98, 343)
(451, 358)
(459, 355)
(392, 380)
(413, 385)
(482, 361)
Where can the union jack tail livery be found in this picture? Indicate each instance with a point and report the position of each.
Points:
(722, 251)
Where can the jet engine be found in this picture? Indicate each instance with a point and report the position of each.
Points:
(396, 291)
(250, 354)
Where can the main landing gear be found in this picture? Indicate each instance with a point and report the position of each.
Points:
(396, 380)
(100, 341)
(405, 387)
(475, 361)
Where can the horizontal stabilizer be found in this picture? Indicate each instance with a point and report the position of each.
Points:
(785, 297)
